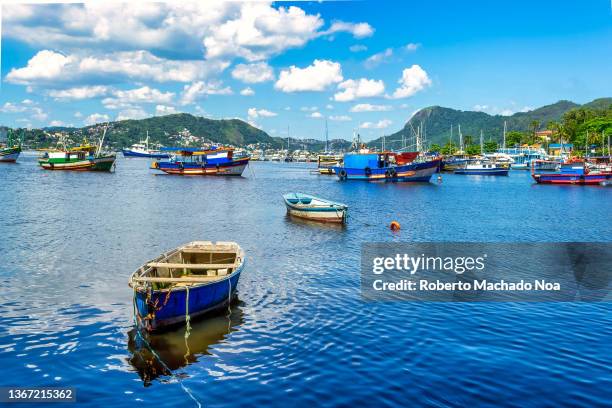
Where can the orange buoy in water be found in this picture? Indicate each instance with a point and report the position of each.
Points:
(395, 226)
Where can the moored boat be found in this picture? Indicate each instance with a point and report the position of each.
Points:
(315, 208)
(326, 162)
(382, 167)
(483, 168)
(9, 154)
(85, 157)
(190, 280)
(203, 162)
(572, 172)
(141, 149)
(10, 150)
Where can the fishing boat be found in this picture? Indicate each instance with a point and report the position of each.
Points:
(383, 167)
(203, 162)
(85, 157)
(483, 168)
(10, 150)
(141, 149)
(190, 280)
(326, 162)
(454, 162)
(573, 172)
(314, 208)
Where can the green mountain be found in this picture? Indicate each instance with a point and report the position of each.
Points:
(169, 130)
(437, 122)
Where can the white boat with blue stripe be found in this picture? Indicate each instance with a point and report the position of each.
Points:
(314, 208)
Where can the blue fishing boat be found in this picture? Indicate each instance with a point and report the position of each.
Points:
(383, 167)
(186, 282)
(203, 162)
(483, 168)
(314, 208)
(141, 149)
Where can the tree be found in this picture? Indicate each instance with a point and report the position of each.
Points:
(490, 146)
(435, 148)
(449, 148)
(534, 126)
(472, 149)
(514, 138)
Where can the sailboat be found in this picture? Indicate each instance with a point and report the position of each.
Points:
(141, 149)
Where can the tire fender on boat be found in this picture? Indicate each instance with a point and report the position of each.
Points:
(342, 174)
(368, 171)
(390, 173)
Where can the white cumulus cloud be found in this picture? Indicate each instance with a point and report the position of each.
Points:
(50, 68)
(126, 98)
(248, 91)
(253, 73)
(316, 115)
(359, 88)
(340, 118)
(316, 77)
(413, 80)
(96, 118)
(378, 58)
(161, 110)
(199, 89)
(254, 113)
(78, 93)
(381, 124)
(131, 113)
(366, 107)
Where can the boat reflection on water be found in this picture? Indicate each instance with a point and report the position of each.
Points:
(177, 352)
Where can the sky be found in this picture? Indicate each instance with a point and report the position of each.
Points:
(290, 67)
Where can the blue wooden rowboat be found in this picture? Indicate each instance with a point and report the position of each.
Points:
(193, 279)
(314, 208)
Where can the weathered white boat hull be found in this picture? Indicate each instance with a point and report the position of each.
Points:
(321, 216)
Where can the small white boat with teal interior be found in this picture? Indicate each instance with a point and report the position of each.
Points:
(314, 208)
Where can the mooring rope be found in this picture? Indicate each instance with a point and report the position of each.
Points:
(187, 326)
(164, 365)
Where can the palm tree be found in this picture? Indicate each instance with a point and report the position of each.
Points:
(535, 125)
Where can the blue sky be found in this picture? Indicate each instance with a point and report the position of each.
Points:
(365, 65)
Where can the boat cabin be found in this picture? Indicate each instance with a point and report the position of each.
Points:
(199, 155)
(368, 160)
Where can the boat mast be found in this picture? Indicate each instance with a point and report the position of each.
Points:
(147, 141)
(504, 145)
(481, 143)
(101, 142)
(326, 137)
(460, 139)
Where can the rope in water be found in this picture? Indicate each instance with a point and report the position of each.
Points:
(187, 326)
(164, 365)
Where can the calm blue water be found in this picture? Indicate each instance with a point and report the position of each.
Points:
(300, 333)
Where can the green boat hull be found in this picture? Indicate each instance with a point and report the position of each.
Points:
(99, 163)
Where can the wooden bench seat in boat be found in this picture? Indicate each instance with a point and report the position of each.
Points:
(189, 266)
